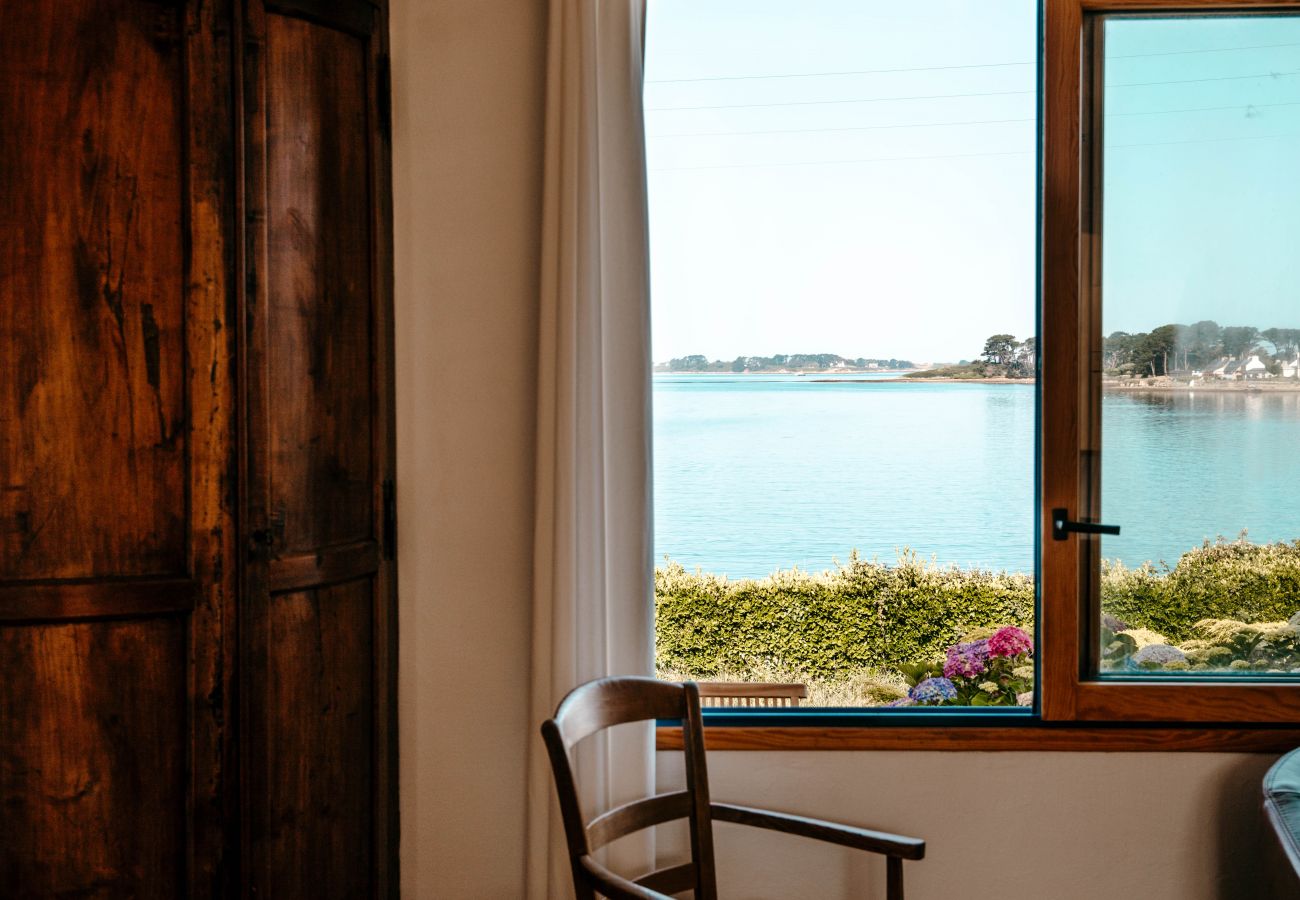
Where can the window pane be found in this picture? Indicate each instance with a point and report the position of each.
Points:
(843, 209)
(1200, 400)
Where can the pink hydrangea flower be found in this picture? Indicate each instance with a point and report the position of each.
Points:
(1010, 641)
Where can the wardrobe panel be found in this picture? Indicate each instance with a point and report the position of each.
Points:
(93, 773)
(319, 358)
(313, 827)
(92, 291)
(316, 687)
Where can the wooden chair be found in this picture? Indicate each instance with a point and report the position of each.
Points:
(745, 693)
(602, 704)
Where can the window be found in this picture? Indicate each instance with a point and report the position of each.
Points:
(843, 232)
(1186, 304)
(809, 209)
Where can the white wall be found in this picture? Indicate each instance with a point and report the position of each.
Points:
(999, 826)
(468, 80)
(467, 127)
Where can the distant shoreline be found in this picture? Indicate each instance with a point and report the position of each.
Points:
(1271, 386)
(820, 372)
(1177, 387)
(948, 379)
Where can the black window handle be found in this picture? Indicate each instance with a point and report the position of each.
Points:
(1062, 527)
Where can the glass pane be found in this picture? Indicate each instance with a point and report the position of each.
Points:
(842, 204)
(1200, 400)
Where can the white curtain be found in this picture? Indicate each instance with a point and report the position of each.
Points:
(593, 566)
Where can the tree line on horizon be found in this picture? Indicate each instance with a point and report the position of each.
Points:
(801, 361)
(1005, 356)
(1160, 351)
(1178, 347)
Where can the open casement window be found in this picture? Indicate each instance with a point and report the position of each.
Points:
(1168, 313)
(1199, 231)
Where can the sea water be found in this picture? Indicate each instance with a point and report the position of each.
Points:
(754, 473)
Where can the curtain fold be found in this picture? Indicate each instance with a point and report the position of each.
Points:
(593, 557)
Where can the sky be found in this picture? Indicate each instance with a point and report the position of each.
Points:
(859, 177)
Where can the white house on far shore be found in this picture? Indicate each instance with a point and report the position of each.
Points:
(1253, 368)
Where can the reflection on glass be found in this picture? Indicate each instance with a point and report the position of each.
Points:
(1200, 404)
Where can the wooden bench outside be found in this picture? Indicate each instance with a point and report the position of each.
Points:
(743, 693)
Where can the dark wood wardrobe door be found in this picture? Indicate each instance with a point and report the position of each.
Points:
(116, 458)
(317, 682)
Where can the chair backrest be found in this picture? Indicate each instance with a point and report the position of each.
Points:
(744, 693)
(602, 704)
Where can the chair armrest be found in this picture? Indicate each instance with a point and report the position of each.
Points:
(832, 832)
(616, 887)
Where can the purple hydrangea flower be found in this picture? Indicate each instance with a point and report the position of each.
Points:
(933, 690)
(967, 660)
(1010, 641)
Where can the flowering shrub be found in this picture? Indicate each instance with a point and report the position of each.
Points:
(1010, 642)
(861, 615)
(1218, 645)
(933, 690)
(884, 615)
(993, 671)
(1219, 580)
(967, 660)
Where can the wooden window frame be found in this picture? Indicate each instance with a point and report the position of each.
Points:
(1077, 712)
(1070, 439)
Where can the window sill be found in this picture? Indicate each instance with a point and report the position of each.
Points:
(1022, 736)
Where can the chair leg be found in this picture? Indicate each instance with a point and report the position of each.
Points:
(894, 882)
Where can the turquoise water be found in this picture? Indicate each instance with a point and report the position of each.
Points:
(755, 473)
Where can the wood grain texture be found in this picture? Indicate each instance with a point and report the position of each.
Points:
(307, 570)
(123, 280)
(1005, 738)
(116, 455)
(353, 16)
(211, 345)
(319, 355)
(1062, 384)
(92, 417)
(320, 444)
(312, 753)
(1189, 702)
(92, 773)
(96, 599)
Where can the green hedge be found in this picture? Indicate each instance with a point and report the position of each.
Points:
(862, 615)
(874, 615)
(1226, 580)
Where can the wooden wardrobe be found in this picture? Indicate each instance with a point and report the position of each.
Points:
(197, 593)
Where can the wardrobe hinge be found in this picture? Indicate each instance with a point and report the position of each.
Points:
(384, 91)
(390, 519)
